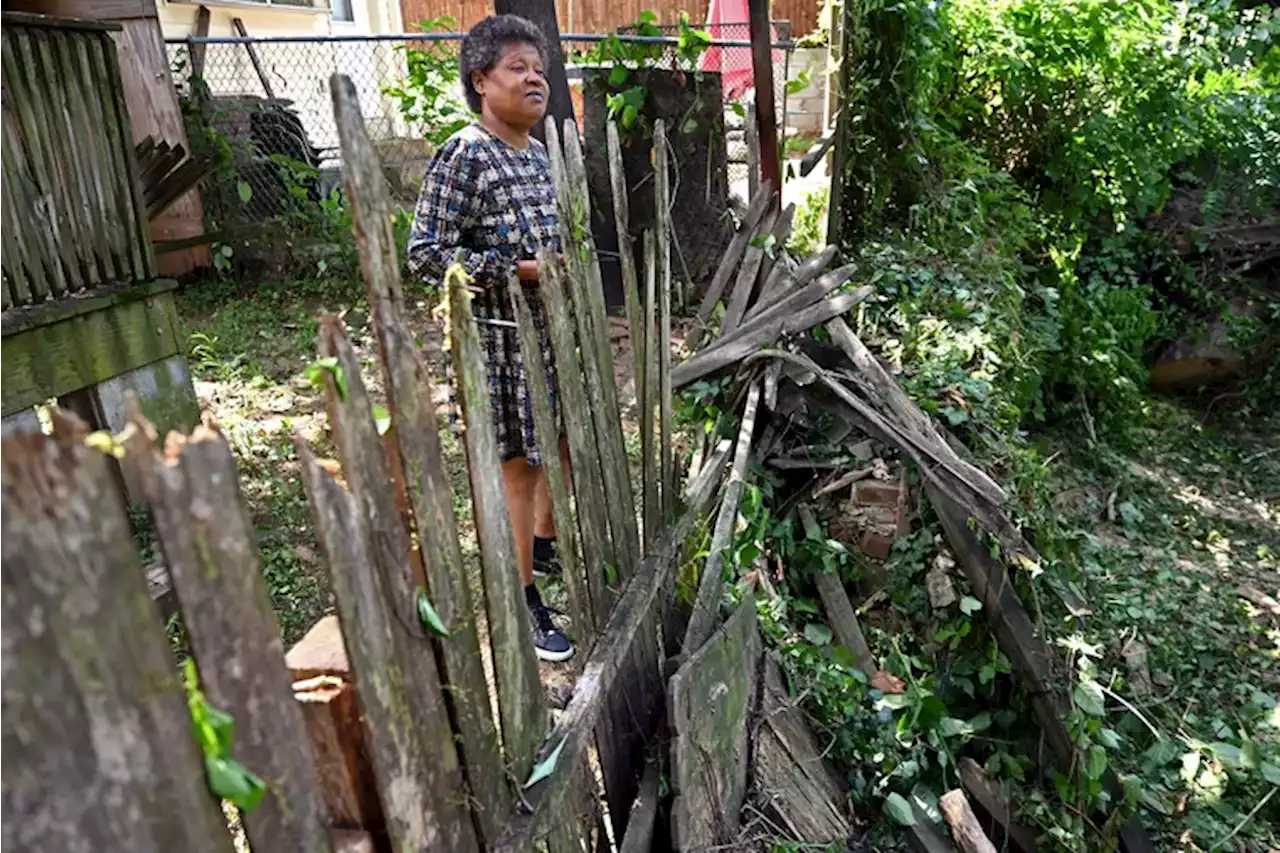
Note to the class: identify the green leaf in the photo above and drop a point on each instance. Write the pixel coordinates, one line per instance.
(244, 191)
(618, 75)
(1095, 763)
(1271, 773)
(1088, 698)
(895, 701)
(382, 418)
(1250, 758)
(817, 633)
(689, 126)
(629, 116)
(985, 674)
(430, 618)
(545, 767)
(230, 780)
(970, 605)
(897, 807)
(1109, 738)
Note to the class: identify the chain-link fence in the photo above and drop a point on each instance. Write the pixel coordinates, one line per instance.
(262, 107)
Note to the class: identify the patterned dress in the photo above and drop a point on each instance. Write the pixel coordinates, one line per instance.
(489, 205)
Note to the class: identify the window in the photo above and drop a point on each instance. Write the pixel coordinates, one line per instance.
(341, 10)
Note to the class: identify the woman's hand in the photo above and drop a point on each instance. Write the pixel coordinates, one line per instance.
(527, 270)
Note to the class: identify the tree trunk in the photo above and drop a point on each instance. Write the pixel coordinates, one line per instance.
(543, 13)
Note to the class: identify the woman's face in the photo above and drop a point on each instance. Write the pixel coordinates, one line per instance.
(515, 90)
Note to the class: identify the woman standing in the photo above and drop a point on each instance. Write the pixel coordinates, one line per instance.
(488, 201)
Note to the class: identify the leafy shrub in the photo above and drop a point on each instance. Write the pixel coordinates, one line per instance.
(430, 97)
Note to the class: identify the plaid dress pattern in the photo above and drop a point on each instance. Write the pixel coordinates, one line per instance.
(488, 205)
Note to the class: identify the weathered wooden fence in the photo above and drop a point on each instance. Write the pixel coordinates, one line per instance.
(98, 752)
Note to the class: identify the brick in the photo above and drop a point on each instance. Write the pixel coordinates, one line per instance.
(873, 492)
(876, 545)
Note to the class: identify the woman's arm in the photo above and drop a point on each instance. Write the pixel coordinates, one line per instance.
(449, 200)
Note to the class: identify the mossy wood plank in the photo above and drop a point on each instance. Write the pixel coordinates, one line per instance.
(98, 752)
(50, 360)
(544, 422)
(212, 557)
(712, 695)
(593, 523)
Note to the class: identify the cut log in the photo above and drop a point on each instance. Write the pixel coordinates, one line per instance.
(347, 785)
(319, 652)
(964, 823)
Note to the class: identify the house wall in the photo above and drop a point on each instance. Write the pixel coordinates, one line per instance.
(178, 19)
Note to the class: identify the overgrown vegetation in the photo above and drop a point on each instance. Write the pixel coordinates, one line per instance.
(1036, 190)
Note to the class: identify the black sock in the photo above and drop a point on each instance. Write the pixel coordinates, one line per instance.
(531, 595)
(544, 550)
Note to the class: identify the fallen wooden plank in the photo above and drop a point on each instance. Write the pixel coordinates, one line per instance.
(744, 285)
(924, 836)
(706, 604)
(791, 778)
(728, 265)
(639, 835)
(843, 620)
(737, 348)
(711, 698)
(995, 805)
(964, 823)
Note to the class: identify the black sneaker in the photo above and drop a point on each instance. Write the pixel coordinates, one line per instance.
(548, 643)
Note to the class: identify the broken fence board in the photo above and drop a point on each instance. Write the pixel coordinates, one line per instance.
(570, 736)
(212, 556)
(418, 776)
(597, 349)
(964, 823)
(649, 460)
(521, 702)
(593, 522)
(706, 604)
(544, 422)
(98, 752)
(729, 264)
(711, 697)
(744, 285)
(644, 812)
(790, 776)
(662, 198)
(993, 802)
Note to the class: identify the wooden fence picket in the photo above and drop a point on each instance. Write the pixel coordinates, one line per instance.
(212, 558)
(521, 701)
(411, 657)
(410, 402)
(98, 749)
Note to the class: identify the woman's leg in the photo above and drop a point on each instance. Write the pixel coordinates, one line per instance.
(544, 520)
(521, 482)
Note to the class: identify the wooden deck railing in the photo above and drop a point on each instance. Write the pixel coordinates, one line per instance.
(73, 220)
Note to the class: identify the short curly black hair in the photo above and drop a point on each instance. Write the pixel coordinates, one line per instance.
(483, 46)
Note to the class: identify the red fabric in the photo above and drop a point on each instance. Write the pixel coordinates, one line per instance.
(727, 21)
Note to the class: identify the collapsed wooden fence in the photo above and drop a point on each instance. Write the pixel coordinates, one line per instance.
(98, 746)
